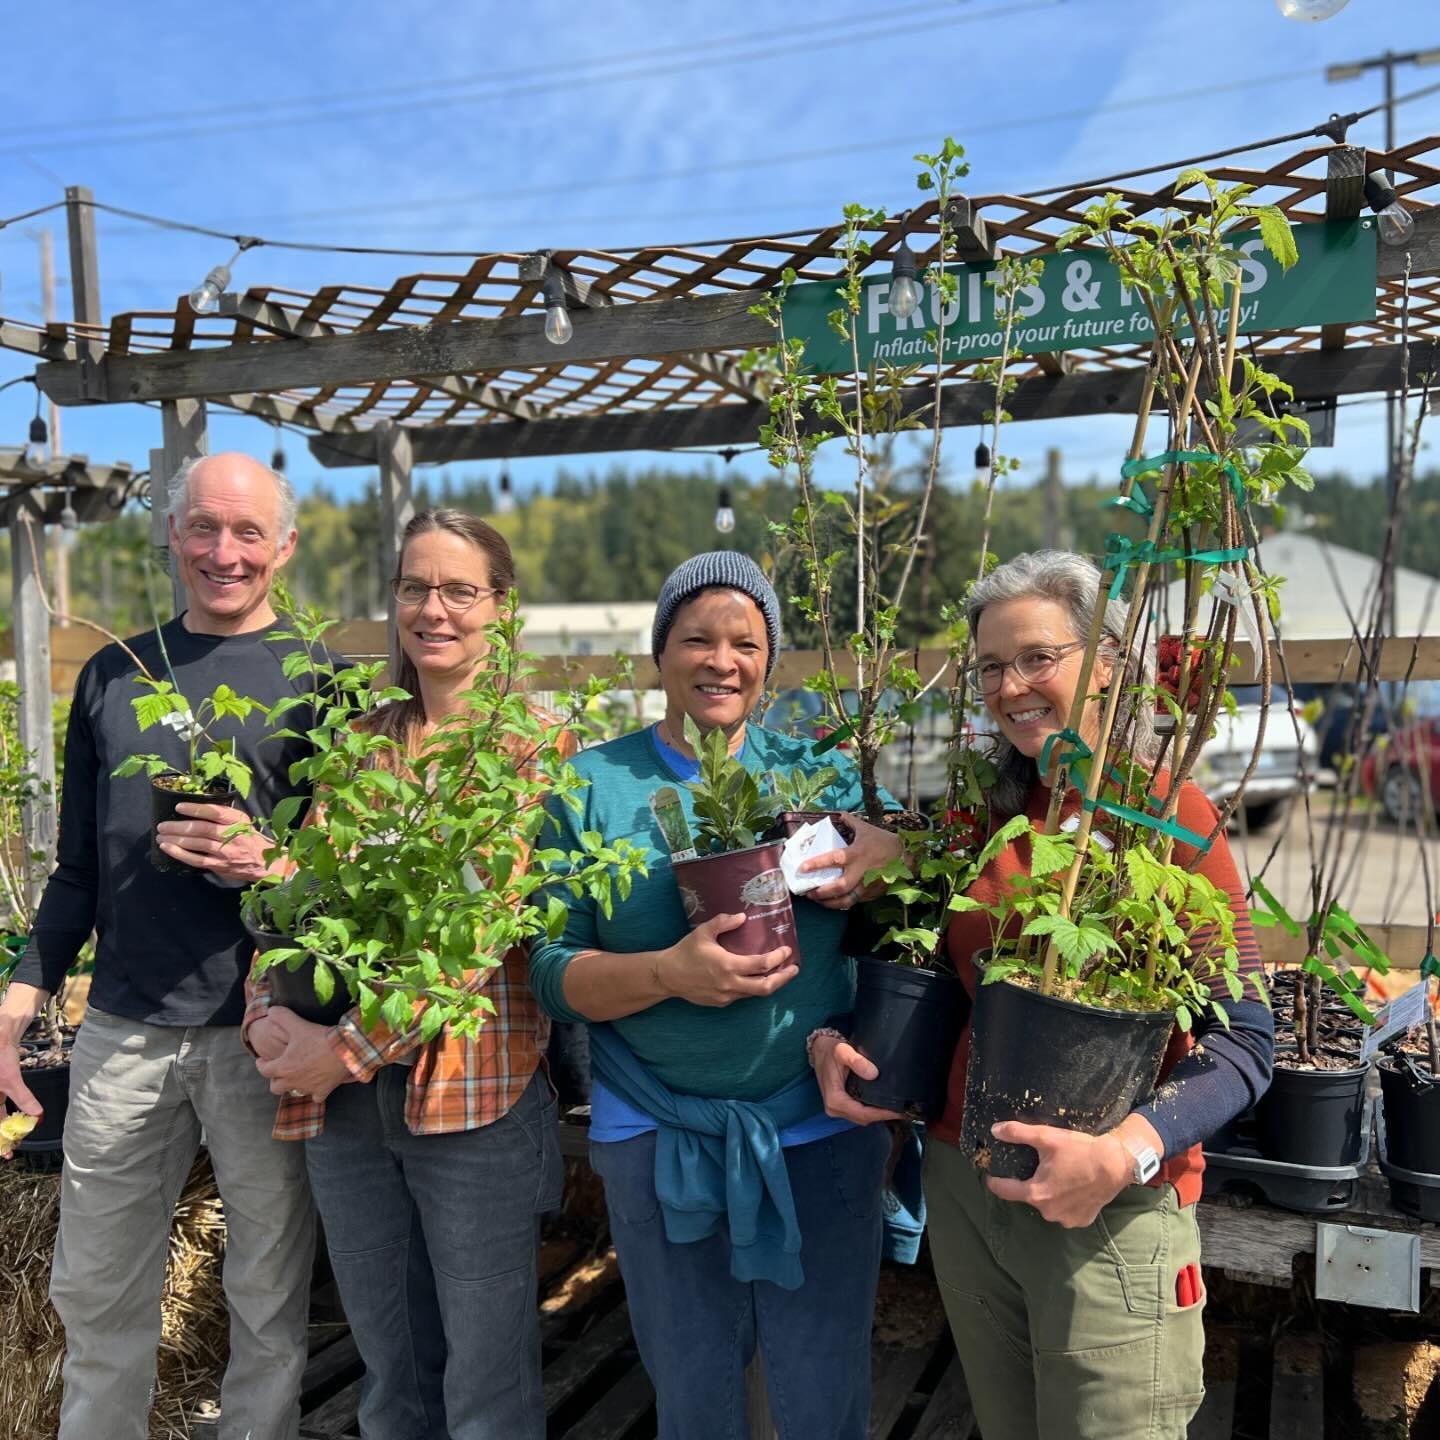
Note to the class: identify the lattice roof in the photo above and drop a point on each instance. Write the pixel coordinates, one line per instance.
(493, 288)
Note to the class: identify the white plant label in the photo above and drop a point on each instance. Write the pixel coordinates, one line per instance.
(819, 837)
(1403, 1013)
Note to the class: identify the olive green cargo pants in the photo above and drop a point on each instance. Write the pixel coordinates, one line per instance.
(1067, 1334)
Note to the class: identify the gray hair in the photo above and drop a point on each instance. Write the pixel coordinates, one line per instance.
(1074, 582)
(177, 495)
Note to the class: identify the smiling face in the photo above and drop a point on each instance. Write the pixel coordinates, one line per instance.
(443, 643)
(1029, 712)
(713, 663)
(229, 545)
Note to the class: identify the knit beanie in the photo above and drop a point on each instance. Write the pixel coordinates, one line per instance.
(720, 569)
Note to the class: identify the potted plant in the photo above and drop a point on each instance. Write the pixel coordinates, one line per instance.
(213, 772)
(45, 1047)
(426, 868)
(733, 871)
(1410, 1109)
(801, 792)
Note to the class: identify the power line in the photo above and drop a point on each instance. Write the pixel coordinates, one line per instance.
(754, 162)
(706, 61)
(430, 86)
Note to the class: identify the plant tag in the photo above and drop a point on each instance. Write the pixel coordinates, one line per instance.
(1403, 1013)
(1230, 589)
(670, 817)
(819, 837)
(184, 724)
(1072, 824)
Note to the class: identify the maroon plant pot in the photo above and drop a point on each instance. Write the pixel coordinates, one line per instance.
(748, 881)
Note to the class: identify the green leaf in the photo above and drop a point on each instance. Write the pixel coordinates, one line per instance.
(1278, 237)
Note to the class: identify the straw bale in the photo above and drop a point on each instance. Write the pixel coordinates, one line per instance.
(194, 1327)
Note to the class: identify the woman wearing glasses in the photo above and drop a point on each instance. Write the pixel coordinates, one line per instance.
(430, 1172)
(1074, 1296)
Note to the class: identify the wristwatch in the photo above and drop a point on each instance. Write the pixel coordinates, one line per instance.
(1145, 1161)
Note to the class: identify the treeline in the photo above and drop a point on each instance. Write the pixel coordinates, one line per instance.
(616, 536)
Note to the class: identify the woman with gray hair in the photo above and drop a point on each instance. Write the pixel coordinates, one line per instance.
(1074, 1296)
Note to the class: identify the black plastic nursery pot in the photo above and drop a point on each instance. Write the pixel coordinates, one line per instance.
(741, 881)
(1411, 1101)
(1049, 1061)
(1312, 1117)
(50, 1085)
(787, 822)
(906, 1022)
(295, 989)
(163, 800)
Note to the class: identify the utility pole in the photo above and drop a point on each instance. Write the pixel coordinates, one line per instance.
(1354, 70)
(1054, 501)
(59, 552)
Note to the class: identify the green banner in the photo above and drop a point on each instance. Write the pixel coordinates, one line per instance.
(1079, 303)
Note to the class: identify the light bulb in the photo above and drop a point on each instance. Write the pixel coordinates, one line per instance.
(1310, 9)
(724, 511)
(1396, 223)
(982, 464)
(558, 328)
(36, 446)
(505, 500)
(206, 295)
(277, 461)
(69, 527)
(904, 291)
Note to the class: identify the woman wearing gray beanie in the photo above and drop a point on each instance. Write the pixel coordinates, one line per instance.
(715, 1046)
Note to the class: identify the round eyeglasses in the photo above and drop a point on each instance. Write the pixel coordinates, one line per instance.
(455, 595)
(1033, 666)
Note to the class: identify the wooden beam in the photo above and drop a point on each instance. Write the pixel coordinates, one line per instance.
(31, 623)
(462, 347)
(34, 342)
(1313, 374)
(397, 503)
(1344, 199)
(84, 267)
(185, 428)
(1423, 251)
(972, 238)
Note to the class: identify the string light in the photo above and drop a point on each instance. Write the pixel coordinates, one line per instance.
(1396, 223)
(205, 297)
(982, 464)
(34, 455)
(904, 288)
(277, 458)
(505, 500)
(558, 328)
(1310, 9)
(724, 511)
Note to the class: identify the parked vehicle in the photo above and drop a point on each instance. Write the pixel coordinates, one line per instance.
(1395, 771)
(1334, 722)
(1287, 765)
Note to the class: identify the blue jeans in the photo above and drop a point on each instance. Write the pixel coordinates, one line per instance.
(433, 1239)
(697, 1328)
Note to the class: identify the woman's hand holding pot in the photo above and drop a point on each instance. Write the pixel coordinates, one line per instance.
(1078, 1174)
(871, 849)
(833, 1060)
(701, 970)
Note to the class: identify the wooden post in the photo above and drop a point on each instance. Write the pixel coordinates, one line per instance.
(84, 271)
(397, 504)
(186, 437)
(32, 670)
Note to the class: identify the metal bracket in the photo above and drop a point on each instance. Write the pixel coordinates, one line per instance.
(1360, 1266)
(94, 372)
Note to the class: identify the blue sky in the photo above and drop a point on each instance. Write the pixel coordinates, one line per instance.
(468, 125)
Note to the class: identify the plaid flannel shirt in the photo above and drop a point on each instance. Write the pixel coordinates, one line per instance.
(456, 1082)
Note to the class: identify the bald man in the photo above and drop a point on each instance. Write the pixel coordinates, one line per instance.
(158, 1059)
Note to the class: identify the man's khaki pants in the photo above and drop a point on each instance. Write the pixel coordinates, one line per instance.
(140, 1096)
(1067, 1334)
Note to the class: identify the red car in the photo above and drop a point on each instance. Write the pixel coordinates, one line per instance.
(1398, 771)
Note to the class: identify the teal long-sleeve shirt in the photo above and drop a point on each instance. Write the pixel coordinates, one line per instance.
(744, 1051)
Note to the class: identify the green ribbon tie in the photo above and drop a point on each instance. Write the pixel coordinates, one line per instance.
(1429, 966)
(1147, 464)
(833, 739)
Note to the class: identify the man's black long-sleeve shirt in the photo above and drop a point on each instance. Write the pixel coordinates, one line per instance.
(170, 948)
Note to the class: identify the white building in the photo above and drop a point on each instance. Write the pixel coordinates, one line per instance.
(593, 628)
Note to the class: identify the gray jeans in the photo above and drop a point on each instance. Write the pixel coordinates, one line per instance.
(139, 1098)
